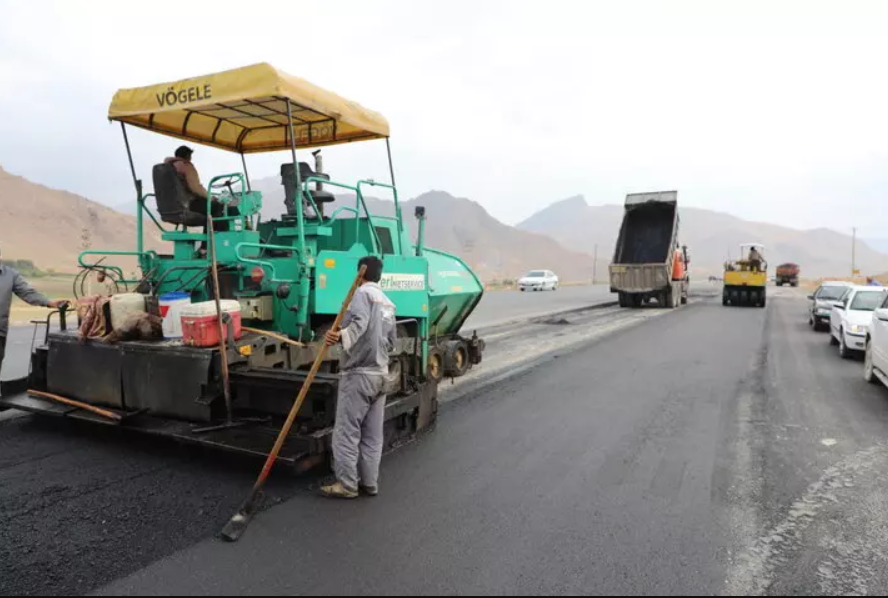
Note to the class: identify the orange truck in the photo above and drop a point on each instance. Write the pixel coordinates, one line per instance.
(788, 274)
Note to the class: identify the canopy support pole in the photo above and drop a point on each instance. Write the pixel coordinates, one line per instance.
(140, 240)
(298, 199)
(388, 149)
(246, 174)
(304, 288)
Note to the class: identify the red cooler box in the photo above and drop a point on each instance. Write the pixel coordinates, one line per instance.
(200, 327)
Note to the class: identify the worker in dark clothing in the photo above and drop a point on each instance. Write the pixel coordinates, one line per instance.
(189, 175)
(755, 259)
(12, 283)
(368, 335)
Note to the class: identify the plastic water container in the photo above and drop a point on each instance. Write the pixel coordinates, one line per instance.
(200, 326)
(171, 305)
(125, 305)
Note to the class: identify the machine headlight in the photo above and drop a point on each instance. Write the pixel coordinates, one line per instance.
(856, 329)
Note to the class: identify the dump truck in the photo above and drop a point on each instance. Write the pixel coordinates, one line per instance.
(287, 276)
(648, 262)
(788, 274)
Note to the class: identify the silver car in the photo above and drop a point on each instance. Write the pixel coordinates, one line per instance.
(820, 304)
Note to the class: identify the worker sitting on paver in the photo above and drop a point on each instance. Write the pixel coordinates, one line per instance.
(189, 175)
(11, 282)
(367, 336)
(755, 259)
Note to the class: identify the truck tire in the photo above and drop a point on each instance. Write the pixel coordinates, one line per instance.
(725, 299)
(630, 300)
(621, 297)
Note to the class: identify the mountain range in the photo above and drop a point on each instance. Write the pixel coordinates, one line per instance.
(51, 226)
(711, 237)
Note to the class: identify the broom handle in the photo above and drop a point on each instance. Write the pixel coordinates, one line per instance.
(80, 405)
(303, 392)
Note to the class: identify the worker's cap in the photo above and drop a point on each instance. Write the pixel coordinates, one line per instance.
(184, 152)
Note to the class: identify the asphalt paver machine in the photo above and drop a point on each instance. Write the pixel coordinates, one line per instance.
(289, 275)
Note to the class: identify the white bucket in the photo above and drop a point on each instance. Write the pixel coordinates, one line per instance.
(171, 306)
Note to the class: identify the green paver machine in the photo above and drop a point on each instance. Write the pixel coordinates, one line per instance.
(290, 276)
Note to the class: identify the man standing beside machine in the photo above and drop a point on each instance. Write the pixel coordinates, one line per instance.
(368, 336)
(13, 283)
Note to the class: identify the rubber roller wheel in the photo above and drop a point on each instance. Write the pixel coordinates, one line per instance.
(436, 364)
(457, 360)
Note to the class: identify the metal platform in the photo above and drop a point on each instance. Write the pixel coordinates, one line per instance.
(248, 438)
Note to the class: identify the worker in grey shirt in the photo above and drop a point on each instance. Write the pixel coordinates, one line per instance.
(13, 282)
(368, 335)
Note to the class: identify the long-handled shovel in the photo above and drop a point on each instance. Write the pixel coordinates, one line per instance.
(236, 526)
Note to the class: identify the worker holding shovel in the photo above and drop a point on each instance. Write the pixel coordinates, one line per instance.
(367, 336)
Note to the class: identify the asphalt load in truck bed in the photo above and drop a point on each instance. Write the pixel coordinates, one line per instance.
(647, 234)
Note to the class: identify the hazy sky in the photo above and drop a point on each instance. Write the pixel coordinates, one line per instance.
(772, 110)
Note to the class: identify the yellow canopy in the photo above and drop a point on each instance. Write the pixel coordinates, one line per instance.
(245, 110)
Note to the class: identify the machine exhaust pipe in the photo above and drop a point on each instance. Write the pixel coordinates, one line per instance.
(420, 239)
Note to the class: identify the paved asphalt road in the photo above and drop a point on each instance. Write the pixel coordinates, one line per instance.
(500, 307)
(706, 450)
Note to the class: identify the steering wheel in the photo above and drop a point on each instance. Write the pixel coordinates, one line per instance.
(231, 199)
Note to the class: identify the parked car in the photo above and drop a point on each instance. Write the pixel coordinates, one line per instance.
(538, 280)
(876, 365)
(820, 303)
(851, 319)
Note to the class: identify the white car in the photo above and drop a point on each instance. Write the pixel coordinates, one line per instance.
(538, 280)
(851, 319)
(876, 368)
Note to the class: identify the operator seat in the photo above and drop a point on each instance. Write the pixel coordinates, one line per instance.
(173, 198)
(288, 180)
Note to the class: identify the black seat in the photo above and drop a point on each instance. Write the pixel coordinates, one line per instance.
(288, 180)
(173, 198)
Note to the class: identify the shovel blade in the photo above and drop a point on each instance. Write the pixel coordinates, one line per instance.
(237, 525)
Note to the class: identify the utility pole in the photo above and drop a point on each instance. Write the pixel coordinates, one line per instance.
(854, 253)
(595, 266)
